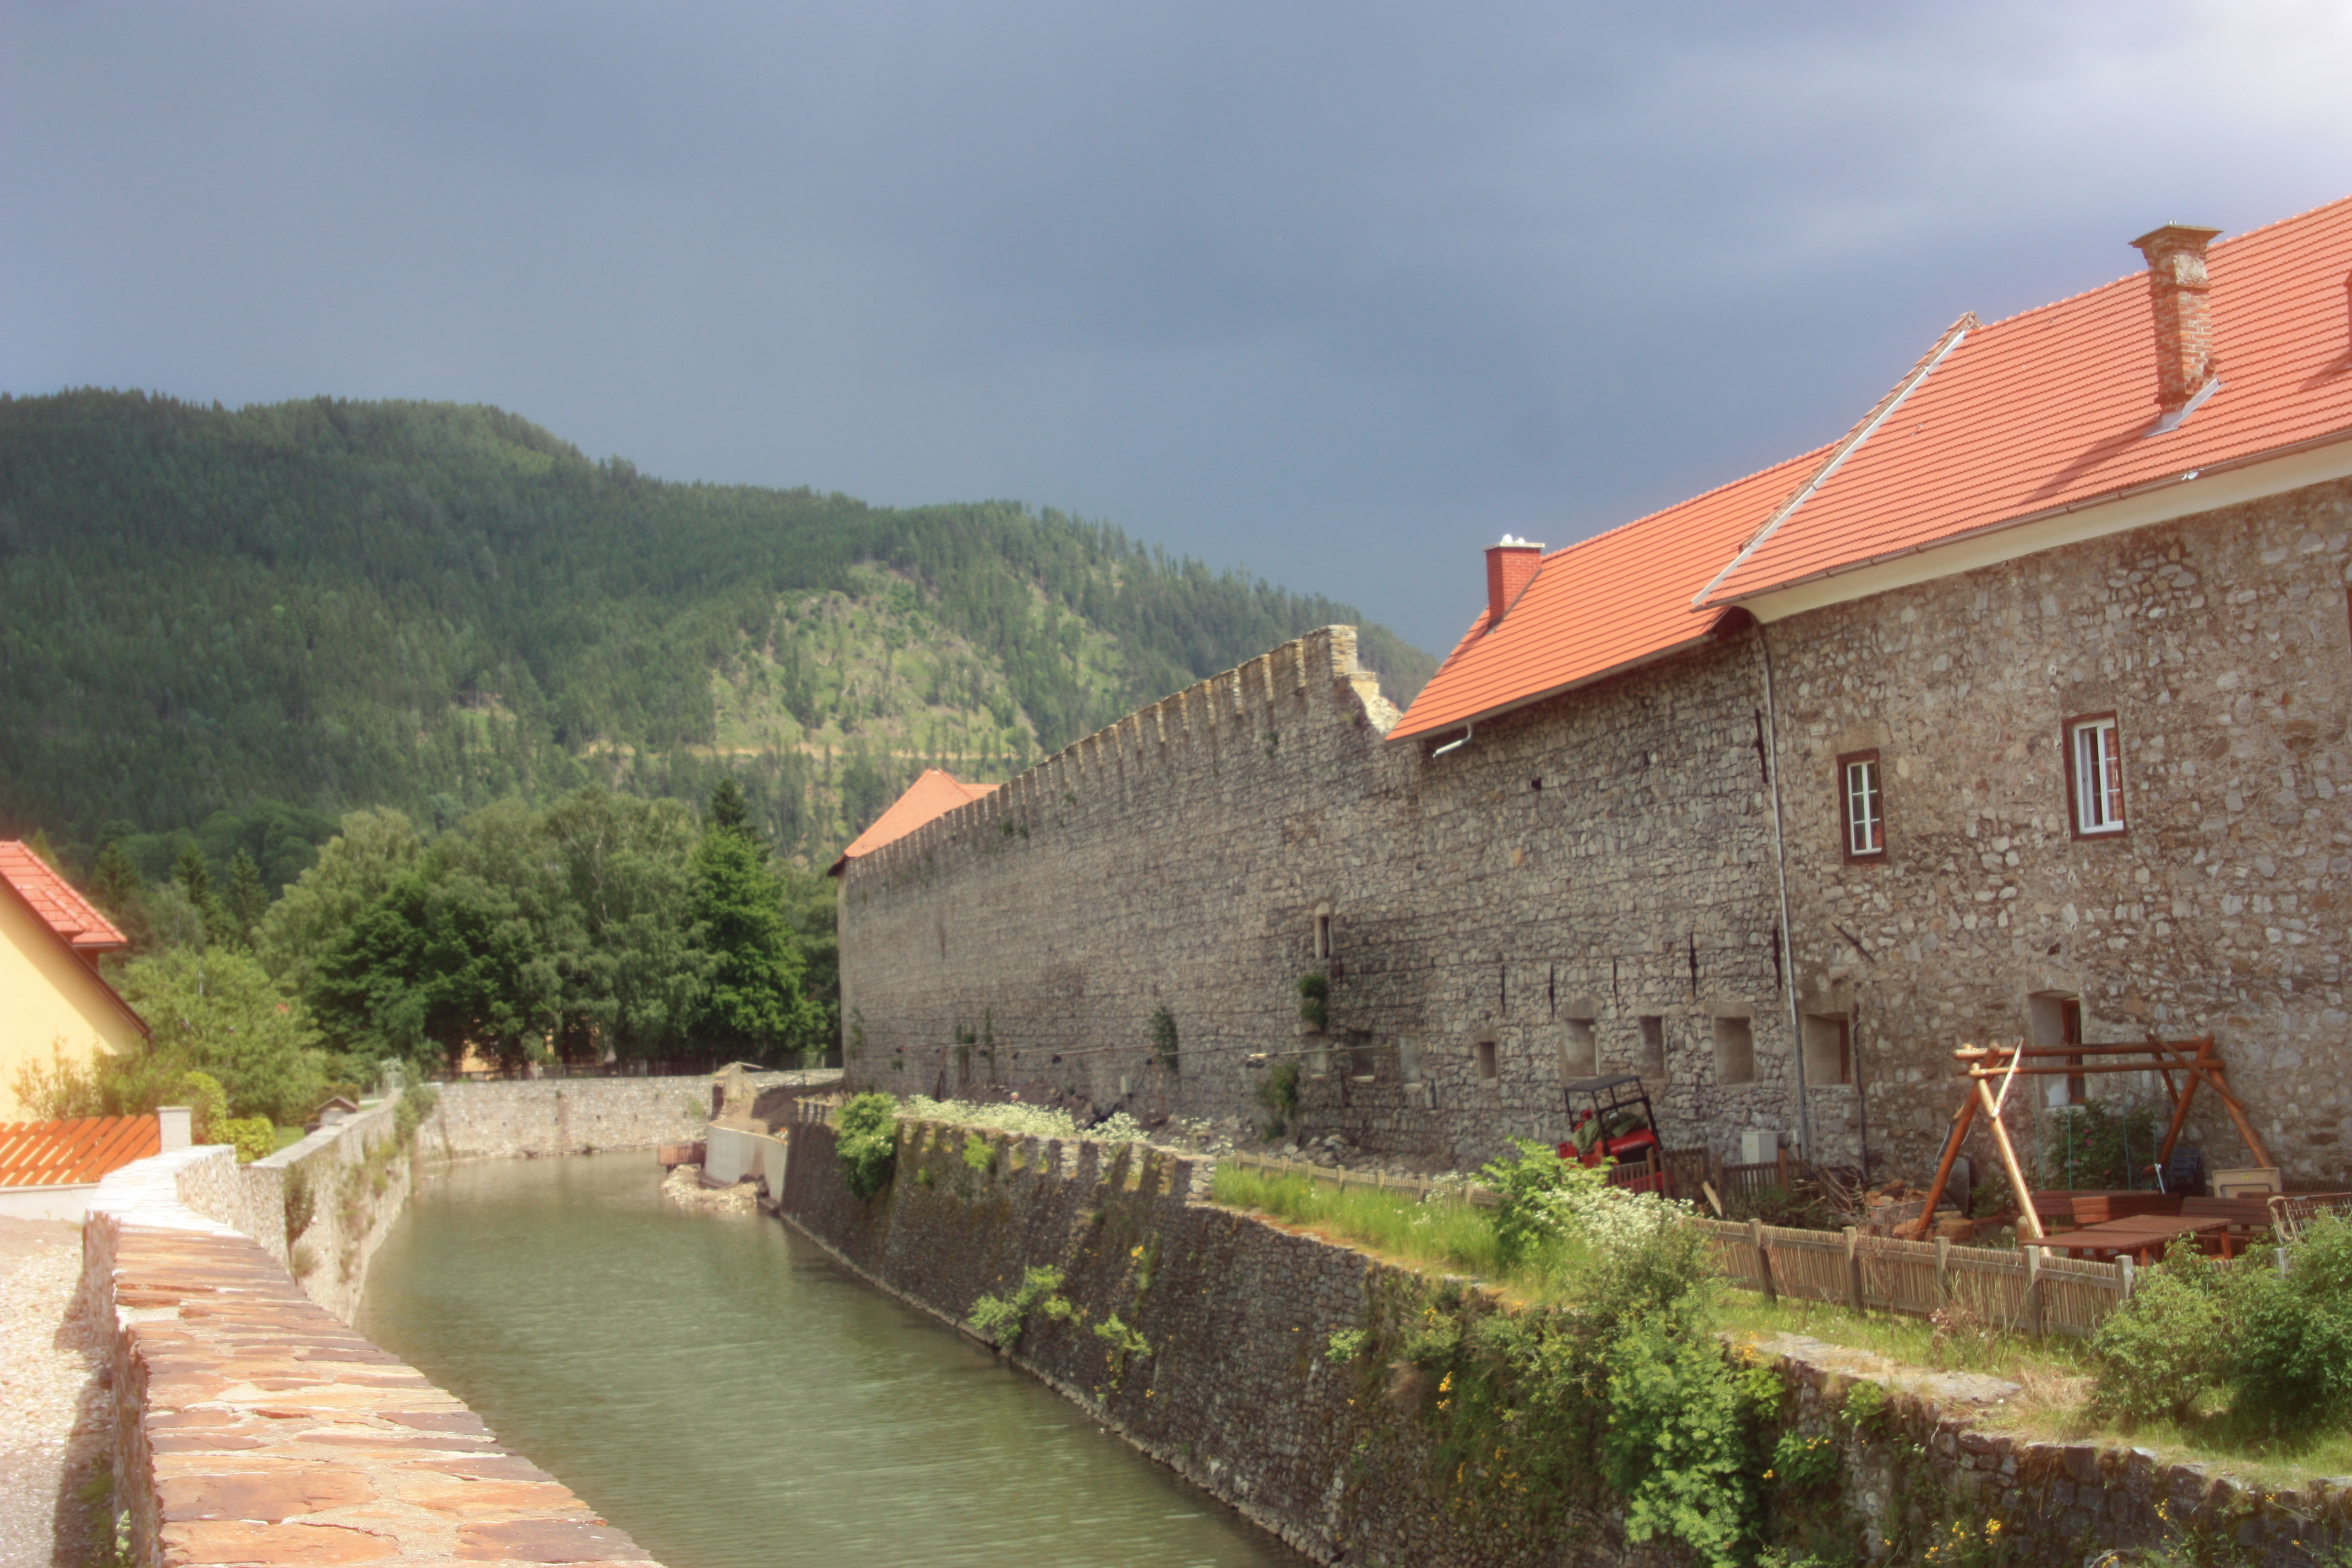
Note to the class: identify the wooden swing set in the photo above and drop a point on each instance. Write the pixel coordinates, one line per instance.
(2194, 1060)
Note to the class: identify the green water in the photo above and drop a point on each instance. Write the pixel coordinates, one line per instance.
(724, 1392)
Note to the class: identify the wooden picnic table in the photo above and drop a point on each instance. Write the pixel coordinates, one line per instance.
(2144, 1236)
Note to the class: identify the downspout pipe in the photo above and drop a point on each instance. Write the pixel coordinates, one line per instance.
(1467, 731)
(1780, 862)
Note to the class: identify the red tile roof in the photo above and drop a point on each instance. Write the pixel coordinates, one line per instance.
(49, 896)
(55, 1153)
(2047, 411)
(2051, 408)
(934, 793)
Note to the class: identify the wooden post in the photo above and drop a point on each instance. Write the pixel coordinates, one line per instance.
(1854, 1268)
(1943, 1268)
(1763, 1259)
(2033, 1290)
(1960, 1120)
(2027, 1220)
(2127, 1265)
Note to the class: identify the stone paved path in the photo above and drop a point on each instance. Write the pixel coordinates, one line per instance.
(46, 1391)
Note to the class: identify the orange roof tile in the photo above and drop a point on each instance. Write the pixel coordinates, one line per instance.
(58, 1153)
(934, 793)
(2046, 411)
(2051, 408)
(1597, 606)
(49, 896)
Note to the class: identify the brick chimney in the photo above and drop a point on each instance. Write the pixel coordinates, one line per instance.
(1510, 567)
(2176, 287)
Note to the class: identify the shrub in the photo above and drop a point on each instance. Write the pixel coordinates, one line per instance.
(256, 1137)
(2155, 1355)
(1163, 1039)
(301, 1203)
(1314, 1004)
(868, 1144)
(1525, 1187)
(1026, 1120)
(208, 1105)
(1279, 1094)
(2293, 1366)
(1000, 1320)
(416, 1105)
(979, 1153)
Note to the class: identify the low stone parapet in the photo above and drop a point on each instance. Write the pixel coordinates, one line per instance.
(251, 1427)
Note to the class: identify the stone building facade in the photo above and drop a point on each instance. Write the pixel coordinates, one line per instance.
(1630, 843)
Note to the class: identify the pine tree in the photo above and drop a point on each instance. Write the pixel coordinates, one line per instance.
(247, 900)
(196, 880)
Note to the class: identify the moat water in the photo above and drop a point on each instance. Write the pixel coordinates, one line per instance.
(724, 1392)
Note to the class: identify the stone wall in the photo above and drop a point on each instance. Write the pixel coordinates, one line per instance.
(250, 1427)
(2221, 644)
(1598, 859)
(1596, 881)
(535, 1116)
(1237, 1391)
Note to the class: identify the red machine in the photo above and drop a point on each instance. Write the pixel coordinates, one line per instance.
(1609, 1119)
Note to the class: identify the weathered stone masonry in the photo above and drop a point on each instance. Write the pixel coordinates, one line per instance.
(1610, 856)
(1585, 859)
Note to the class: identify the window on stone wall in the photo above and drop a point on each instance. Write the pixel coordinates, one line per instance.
(1862, 807)
(1651, 1062)
(1483, 1053)
(2095, 774)
(1829, 1049)
(1323, 933)
(1735, 1050)
(1580, 1050)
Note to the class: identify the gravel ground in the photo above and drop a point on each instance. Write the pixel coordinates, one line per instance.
(50, 1439)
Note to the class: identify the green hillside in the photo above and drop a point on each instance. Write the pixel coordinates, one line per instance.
(226, 621)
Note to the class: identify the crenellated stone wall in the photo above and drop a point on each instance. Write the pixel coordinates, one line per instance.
(1598, 859)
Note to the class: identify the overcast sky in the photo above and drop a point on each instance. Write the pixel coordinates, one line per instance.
(1340, 292)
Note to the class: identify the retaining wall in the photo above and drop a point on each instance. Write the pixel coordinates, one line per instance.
(536, 1117)
(1237, 1392)
(249, 1426)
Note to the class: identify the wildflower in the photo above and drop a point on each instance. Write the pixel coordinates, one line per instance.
(1446, 1386)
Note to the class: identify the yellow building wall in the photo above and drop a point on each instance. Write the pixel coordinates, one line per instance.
(46, 994)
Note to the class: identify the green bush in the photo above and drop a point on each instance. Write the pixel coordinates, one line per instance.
(208, 1105)
(2156, 1356)
(301, 1203)
(1163, 1039)
(979, 1153)
(416, 1105)
(1523, 1218)
(1279, 1094)
(1000, 1320)
(2292, 1370)
(1314, 1000)
(256, 1137)
(867, 1146)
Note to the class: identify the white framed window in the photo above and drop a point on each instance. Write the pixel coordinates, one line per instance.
(1862, 807)
(2094, 773)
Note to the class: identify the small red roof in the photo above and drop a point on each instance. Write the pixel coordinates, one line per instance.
(2048, 411)
(933, 795)
(58, 1153)
(49, 896)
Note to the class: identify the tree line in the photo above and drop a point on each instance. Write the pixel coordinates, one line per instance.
(331, 605)
(599, 928)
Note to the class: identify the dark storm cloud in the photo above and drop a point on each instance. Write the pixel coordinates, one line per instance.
(1341, 291)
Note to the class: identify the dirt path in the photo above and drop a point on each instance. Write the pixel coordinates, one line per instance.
(48, 1452)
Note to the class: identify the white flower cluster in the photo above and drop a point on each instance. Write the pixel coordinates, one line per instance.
(1611, 1217)
(1024, 1121)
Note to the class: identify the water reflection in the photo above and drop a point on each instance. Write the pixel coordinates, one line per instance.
(718, 1388)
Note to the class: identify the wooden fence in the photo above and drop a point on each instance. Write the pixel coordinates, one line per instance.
(2021, 1292)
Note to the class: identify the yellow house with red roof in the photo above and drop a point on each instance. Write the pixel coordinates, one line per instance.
(51, 993)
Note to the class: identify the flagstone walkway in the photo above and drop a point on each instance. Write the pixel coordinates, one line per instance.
(46, 1365)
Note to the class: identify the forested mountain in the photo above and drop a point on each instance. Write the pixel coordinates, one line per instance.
(242, 623)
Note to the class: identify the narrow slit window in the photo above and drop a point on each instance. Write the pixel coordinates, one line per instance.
(2094, 763)
(1863, 806)
(1483, 1053)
